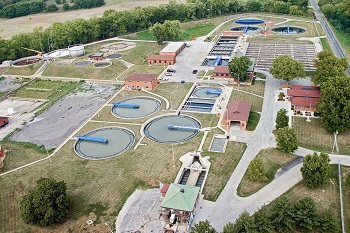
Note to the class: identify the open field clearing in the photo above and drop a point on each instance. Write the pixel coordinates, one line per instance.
(314, 136)
(174, 92)
(343, 40)
(273, 160)
(10, 27)
(25, 70)
(256, 101)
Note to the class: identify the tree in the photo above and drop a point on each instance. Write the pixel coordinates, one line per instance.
(244, 224)
(262, 221)
(334, 105)
(46, 204)
(282, 119)
(203, 226)
(329, 66)
(286, 68)
(306, 217)
(287, 140)
(328, 222)
(316, 169)
(282, 215)
(65, 7)
(238, 68)
(256, 169)
(169, 30)
(51, 7)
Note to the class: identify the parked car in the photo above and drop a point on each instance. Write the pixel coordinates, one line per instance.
(168, 74)
(171, 70)
(187, 45)
(194, 71)
(164, 79)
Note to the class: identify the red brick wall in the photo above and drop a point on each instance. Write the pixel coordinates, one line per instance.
(138, 85)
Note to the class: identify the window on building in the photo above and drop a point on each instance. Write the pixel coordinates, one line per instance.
(147, 86)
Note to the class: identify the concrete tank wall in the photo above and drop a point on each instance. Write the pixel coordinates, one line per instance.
(76, 51)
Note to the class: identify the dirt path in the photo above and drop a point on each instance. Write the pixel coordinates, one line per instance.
(25, 24)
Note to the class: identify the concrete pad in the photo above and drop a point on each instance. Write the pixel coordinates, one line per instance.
(22, 114)
(55, 124)
(140, 212)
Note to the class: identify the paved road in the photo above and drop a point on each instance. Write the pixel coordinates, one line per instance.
(229, 205)
(331, 37)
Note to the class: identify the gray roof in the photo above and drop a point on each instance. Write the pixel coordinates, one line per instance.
(172, 47)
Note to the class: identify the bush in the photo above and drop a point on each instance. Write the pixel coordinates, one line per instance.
(256, 170)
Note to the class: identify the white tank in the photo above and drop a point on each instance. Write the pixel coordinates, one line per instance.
(76, 51)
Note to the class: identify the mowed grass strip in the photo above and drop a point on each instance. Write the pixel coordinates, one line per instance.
(222, 166)
(253, 120)
(25, 70)
(325, 44)
(273, 160)
(142, 69)
(86, 72)
(343, 39)
(138, 54)
(314, 136)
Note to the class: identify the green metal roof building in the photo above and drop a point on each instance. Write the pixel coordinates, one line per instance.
(181, 197)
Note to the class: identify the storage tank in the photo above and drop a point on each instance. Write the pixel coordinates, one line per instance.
(76, 51)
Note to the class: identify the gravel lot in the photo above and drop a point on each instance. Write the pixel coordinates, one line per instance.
(56, 123)
(9, 84)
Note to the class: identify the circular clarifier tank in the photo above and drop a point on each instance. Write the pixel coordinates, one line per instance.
(119, 140)
(147, 106)
(289, 30)
(247, 29)
(159, 129)
(204, 92)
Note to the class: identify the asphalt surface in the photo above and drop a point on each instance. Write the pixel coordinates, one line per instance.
(330, 35)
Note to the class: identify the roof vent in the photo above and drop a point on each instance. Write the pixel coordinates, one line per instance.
(182, 190)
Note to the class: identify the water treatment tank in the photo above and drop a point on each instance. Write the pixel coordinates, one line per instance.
(76, 51)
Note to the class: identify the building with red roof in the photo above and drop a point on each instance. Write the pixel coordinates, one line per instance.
(223, 72)
(141, 81)
(304, 99)
(237, 112)
(4, 121)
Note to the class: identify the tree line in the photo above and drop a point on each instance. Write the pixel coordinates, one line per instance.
(337, 12)
(282, 216)
(113, 23)
(15, 8)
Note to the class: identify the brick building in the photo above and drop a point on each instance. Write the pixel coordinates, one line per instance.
(4, 121)
(237, 112)
(223, 72)
(304, 99)
(166, 56)
(141, 81)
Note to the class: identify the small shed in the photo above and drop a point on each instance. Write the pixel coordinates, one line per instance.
(141, 81)
(4, 121)
(237, 111)
(97, 56)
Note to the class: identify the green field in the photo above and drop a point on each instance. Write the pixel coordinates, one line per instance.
(253, 120)
(25, 70)
(273, 160)
(314, 136)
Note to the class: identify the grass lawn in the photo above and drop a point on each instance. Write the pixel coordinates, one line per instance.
(222, 166)
(253, 120)
(326, 45)
(174, 92)
(258, 88)
(196, 31)
(256, 102)
(260, 75)
(345, 171)
(138, 54)
(344, 41)
(207, 120)
(273, 160)
(25, 70)
(19, 155)
(87, 72)
(314, 136)
(142, 69)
